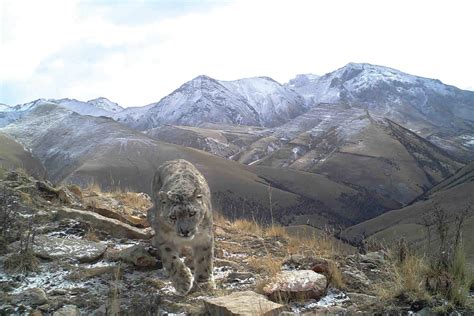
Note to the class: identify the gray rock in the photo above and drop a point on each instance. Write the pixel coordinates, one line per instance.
(68, 310)
(356, 280)
(112, 226)
(362, 300)
(31, 297)
(296, 284)
(61, 248)
(242, 303)
(239, 276)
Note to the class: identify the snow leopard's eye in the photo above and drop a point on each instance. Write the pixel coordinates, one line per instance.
(173, 217)
(199, 196)
(192, 213)
(163, 201)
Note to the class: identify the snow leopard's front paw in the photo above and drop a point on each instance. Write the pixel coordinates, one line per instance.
(207, 286)
(183, 281)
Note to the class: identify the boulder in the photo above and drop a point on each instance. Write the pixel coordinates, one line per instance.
(113, 227)
(296, 285)
(31, 297)
(60, 248)
(242, 303)
(68, 310)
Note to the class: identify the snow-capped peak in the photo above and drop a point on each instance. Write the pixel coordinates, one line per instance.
(105, 104)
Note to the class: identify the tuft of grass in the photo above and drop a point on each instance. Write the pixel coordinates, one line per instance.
(334, 275)
(247, 226)
(266, 266)
(463, 278)
(75, 189)
(276, 231)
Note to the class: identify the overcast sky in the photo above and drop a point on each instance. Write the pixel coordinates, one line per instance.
(135, 52)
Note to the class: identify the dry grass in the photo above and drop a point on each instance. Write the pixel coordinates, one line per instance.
(94, 187)
(21, 262)
(316, 245)
(265, 266)
(91, 235)
(133, 200)
(406, 280)
(247, 226)
(334, 276)
(276, 231)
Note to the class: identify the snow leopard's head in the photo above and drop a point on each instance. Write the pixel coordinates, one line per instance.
(182, 208)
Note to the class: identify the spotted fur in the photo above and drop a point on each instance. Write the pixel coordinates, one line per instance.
(182, 218)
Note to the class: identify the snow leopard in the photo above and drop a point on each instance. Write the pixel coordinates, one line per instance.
(182, 218)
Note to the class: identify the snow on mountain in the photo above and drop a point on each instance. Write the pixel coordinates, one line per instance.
(440, 112)
(201, 100)
(95, 107)
(274, 103)
(381, 88)
(105, 104)
(4, 108)
(257, 101)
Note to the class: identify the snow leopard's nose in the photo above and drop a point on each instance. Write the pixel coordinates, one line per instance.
(184, 232)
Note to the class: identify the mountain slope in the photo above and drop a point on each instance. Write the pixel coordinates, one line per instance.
(84, 150)
(442, 113)
(350, 146)
(453, 195)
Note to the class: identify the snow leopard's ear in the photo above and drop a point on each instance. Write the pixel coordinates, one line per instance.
(197, 193)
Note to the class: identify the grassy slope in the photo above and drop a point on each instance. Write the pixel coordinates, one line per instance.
(452, 195)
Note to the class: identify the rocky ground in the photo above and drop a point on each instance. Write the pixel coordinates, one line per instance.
(88, 252)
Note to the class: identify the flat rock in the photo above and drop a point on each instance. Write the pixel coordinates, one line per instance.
(60, 248)
(68, 310)
(114, 227)
(242, 303)
(296, 284)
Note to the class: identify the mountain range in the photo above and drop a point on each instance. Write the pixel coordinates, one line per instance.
(341, 148)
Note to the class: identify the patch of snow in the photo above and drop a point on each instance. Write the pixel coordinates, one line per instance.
(332, 298)
(222, 272)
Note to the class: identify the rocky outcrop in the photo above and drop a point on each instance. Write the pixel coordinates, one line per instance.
(112, 226)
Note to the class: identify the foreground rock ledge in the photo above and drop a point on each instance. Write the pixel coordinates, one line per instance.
(60, 248)
(242, 303)
(114, 227)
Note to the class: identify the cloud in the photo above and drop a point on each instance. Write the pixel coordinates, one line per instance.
(136, 52)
